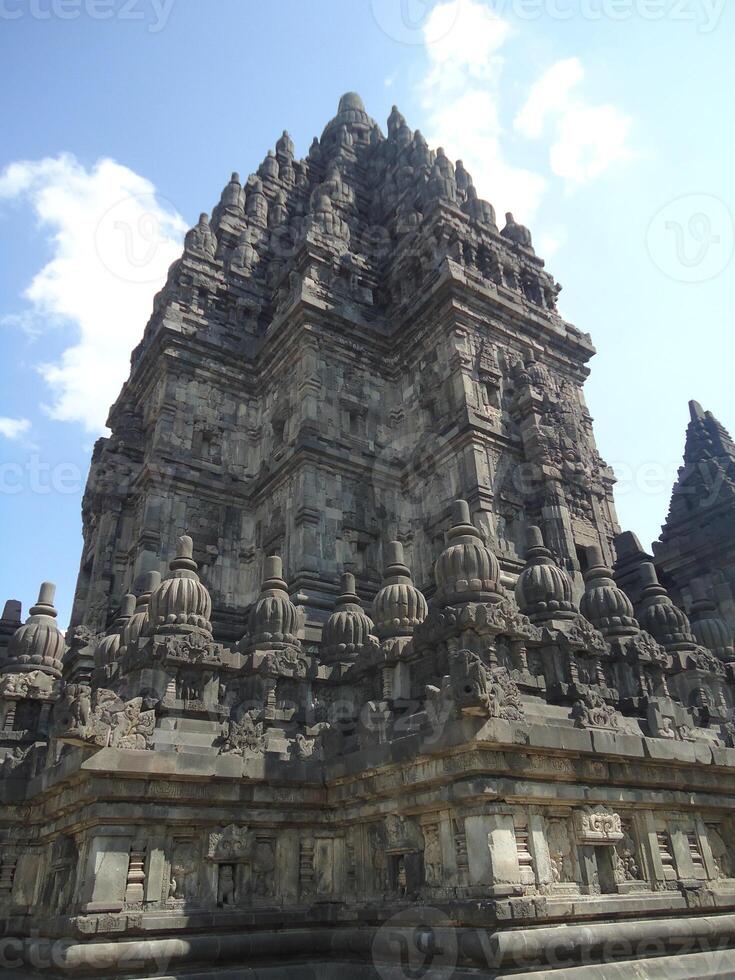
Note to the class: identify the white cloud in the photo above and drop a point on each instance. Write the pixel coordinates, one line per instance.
(470, 124)
(112, 241)
(590, 140)
(548, 95)
(13, 428)
(587, 139)
(550, 241)
(464, 36)
(461, 96)
(465, 89)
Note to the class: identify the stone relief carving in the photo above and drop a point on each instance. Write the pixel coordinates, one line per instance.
(226, 895)
(628, 863)
(433, 866)
(560, 851)
(288, 662)
(192, 648)
(720, 852)
(101, 718)
(647, 650)
(582, 635)
(34, 684)
(592, 711)
(188, 687)
(184, 884)
(476, 688)
(306, 748)
(376, 844)
(232, 844)
(245, 737)
(17, 760)
(598, 826)
(263, 866)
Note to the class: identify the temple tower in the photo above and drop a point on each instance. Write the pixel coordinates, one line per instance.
(345, 346)
(697, 543)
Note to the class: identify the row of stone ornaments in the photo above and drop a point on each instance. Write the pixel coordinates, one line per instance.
(599, 658)
(602, 658)
(465, 571)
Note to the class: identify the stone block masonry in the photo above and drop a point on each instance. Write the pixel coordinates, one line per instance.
(362, 676)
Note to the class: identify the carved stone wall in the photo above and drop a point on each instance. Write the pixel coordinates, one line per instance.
(335, 393)
(509, 736)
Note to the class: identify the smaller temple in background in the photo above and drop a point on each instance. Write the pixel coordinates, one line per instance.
(697, 542)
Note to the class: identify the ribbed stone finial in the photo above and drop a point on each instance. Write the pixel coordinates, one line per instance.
(38, 644)
(181, 604)
(603, 604)
(269, 166)
(466, 571)
(709, 628)
(658, 615)
(347, 630)
(543, 590)
(326, 220)
(274, 619)
(398, 606)
(137, 625)
(108, 649)
(350, 121)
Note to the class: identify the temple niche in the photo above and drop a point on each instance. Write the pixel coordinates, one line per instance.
(361, 668)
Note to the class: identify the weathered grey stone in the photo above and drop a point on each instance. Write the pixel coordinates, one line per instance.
(702, 509)
(358, 394)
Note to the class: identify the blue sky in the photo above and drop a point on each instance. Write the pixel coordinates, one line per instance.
(605, 125)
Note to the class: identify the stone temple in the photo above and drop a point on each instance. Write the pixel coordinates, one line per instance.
(363, 678)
